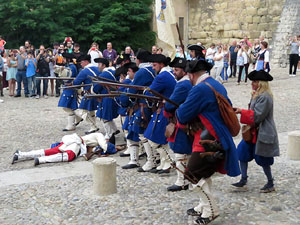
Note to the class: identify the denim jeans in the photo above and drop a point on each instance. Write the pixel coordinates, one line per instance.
(224, 74)
(45, 84)
(21, 76)
(31, 85)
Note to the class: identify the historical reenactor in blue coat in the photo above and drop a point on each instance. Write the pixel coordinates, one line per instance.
(88, 106)
(140, 113)
(179, 142)
(163, 83)
(264, 145)
(68, 99)
(127, 73)
(201, 110)
(196, 51)
(107, 107)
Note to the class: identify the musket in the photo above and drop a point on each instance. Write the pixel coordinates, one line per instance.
(76, 86)
(55, 78)
(180, 40)
(103, 95)
(149, 98)
(138, 87)
(102, 79)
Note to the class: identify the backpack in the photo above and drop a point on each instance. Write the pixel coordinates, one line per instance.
(230, 119)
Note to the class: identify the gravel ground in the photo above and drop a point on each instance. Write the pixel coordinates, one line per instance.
(142, 198)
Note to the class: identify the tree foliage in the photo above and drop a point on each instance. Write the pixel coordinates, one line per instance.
(123, 22)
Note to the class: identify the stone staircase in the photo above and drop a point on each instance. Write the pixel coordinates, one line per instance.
(289, 25)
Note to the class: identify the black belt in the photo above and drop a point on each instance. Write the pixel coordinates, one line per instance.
(21, 70)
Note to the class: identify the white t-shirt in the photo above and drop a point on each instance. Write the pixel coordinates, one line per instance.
(244, 54)
(95, 55)
(210, 53)
(219, 63)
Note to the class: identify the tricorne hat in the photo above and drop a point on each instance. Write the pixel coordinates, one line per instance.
(260, 75)
(178, 62)
(102, 60)
(195, 66)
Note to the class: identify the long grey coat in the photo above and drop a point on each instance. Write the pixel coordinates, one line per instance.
(267, 144)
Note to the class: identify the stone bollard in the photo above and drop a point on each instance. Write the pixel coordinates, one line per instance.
(293, 150)
(104, 176)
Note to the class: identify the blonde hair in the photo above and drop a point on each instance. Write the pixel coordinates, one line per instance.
(263, 86)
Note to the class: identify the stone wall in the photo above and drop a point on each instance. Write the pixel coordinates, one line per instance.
(288, 26)
(227, 20)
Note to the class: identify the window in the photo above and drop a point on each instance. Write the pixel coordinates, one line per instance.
(181, 27)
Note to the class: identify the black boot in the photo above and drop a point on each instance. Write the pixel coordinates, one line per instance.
(269, 187)
(193, 212)
(15, 157)
(242, 183)
(36, 162)
(175, 187)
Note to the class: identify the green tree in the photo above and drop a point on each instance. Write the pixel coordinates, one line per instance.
(123, 22)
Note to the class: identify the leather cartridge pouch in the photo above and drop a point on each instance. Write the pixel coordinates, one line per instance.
(246, 133)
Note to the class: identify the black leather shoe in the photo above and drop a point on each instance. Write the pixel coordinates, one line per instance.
(130, 166)
(154, 170)
(90, 132)
(141, 170)
(36, 162)
(26, 96)
(124, 155)
(16, 96)
(193, 212)
(202, 221)
(164, 171)
(177, 188)
(15, 158)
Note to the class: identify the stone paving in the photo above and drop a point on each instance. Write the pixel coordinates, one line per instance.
(31, 195)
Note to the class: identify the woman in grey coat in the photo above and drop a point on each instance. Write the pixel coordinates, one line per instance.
(264, 145)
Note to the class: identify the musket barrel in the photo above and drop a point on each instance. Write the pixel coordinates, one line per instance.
(76, 86)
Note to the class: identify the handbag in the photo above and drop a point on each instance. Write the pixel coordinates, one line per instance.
(246, 133)
(230, 119)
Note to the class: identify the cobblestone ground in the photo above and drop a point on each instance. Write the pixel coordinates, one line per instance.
(142, 198)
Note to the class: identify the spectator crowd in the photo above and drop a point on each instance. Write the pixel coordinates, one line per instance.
(20, 67)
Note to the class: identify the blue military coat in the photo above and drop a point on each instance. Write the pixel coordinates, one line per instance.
(202, 101)
(68, 98)
(143, 77)
(164, 83)
(182, 144)
(107, 108)
(83, 77)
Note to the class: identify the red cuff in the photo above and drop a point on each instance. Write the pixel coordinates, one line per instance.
(247, 116)
(167, 114)
(179, 125)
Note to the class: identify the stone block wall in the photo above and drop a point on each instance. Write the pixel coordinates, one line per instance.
(227, 20)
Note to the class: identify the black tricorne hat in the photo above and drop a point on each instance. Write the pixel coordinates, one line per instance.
(125, 57)
(196, 47)
(102, 60)
(178, 62)
(260, 75)
(84, 57)
(195, 66)
(132, 66)
(68, 55)
(159, 58)
(142, 54)
(121, 70)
